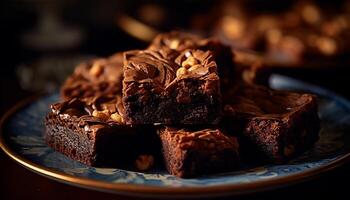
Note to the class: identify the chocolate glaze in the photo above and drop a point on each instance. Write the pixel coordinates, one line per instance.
(179, 42)
(83, 108)
(105, 80)
(151, 67)
(259, 101)
(148, 66)
(192, 152)
(186, 137)
(280, 124)
(175, 40)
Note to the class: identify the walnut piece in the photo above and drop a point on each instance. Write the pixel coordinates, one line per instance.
(104, 115)
(116, 117)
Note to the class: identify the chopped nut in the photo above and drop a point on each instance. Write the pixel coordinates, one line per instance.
(195, 67)
(96, 68)
(289, 150)
(181, 71)
(190, 61)
(174, 44)
(144, 162)
(111, 107)
(104, 115)
(116, 117)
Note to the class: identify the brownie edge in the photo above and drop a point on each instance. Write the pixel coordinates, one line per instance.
(189, 153)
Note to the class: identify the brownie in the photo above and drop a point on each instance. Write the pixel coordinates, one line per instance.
(193, 152)
(158, 90)
(175, 40)
(281, 124)
(251, 67)
(92, 131)
(173, 43)
(102, 75)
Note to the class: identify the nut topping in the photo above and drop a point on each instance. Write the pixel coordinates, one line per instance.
(116, 117)
(190, 61)
(181, 71)
(103, 115)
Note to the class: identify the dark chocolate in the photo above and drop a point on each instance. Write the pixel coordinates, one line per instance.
(98, 77)
(158, 90)
(281, 124)
(92, 131)
(193, 152)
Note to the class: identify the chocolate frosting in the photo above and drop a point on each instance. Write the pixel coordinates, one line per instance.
(188, 137)
(181, 41)
(148, 66)
(259, 101)
(104, 79)
(152, 67)
(175, 40)
(82, 109)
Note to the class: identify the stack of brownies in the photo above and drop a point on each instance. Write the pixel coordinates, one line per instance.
(181, 103)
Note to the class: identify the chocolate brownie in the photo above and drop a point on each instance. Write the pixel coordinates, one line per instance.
(175, 42)
(281, 124)
(92, 131)
(158, 90)
(193, 152)
(103, 76)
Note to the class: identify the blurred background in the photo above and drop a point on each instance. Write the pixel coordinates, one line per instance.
(42, 40)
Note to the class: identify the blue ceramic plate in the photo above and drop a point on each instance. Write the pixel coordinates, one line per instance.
(21, 138)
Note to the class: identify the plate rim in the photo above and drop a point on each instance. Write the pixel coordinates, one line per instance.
(137, 189)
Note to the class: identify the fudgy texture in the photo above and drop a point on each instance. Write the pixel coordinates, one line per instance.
(190, 153)
(282, 124)
(174, 43)
(158, 90)
(92, 131)
(103, 76)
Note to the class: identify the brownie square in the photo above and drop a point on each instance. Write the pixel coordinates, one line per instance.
(281, 124)
(193, 152)
(174, 43)
(158, 90)
(102, 75)
(92, 131)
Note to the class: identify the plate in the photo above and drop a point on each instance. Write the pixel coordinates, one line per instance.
(21, 138)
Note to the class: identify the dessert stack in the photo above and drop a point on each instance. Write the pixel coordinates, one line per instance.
(182, 104)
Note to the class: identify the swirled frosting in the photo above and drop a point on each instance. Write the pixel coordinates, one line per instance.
(153, 67)
(98, 76)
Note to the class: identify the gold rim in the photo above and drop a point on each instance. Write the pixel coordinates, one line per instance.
(134, 189)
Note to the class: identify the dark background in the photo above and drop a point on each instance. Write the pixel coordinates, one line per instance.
(99, 35)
